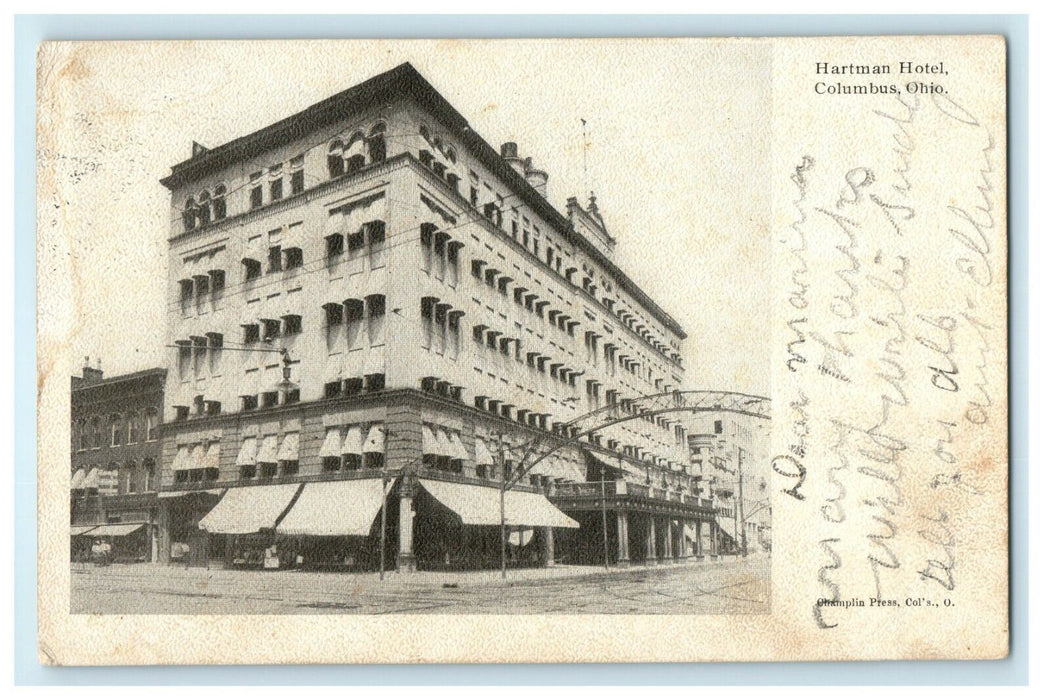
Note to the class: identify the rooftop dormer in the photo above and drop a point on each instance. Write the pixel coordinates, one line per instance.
(589, 223)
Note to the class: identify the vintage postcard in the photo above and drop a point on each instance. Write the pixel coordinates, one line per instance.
(604, 350)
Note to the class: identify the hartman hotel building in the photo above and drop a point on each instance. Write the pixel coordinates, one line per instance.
(435, 313)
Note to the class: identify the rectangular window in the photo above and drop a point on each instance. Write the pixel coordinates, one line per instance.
(256, 192)
(331, 464)
(293, 324)
(249, 402)
(332, 390)
(274, 259)
(269, 399)
(293, 258)
(252, 269)
(251, 333)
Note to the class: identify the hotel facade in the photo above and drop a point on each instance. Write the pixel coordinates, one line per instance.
(368, 304)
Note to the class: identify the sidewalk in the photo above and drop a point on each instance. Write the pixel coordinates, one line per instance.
(367, 580)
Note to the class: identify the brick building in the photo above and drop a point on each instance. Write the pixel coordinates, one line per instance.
(434, 313)
(116, 460)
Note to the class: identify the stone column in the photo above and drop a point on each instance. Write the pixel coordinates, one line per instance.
(666, 553)
(650, 539)
(164, 531)
(698, 541)
(406, 555)
(713, 534)
(548, 546)
(683, 553)
(623, 549)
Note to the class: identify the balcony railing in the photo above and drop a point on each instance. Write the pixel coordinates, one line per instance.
(622, 487)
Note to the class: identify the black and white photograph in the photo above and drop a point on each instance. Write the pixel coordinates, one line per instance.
(424, 335)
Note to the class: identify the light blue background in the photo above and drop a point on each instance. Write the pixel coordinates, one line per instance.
(30, 30)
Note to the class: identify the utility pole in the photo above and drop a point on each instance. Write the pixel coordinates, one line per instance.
(740, 506)
(382, 533)
(502, 509)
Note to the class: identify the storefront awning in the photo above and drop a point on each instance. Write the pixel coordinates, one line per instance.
(78, 530)
(248, 509)
(335, 509)
(479, 505)
(78, 477)
(618, 466)
(116, 529)
(179, 494)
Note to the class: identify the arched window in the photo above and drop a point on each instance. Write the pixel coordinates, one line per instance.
(204, 208)
(189, 215)
(218, 203)
(149, 474)
(96, 432)
(151, 424)
(335, 159)
(356, 152)
(115, 429)
(377, 143)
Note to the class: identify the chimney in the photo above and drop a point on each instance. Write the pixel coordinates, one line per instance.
(536, 177)
(92, 374)
(509, 153)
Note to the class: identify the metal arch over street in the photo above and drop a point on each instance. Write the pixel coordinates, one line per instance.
(698, 401)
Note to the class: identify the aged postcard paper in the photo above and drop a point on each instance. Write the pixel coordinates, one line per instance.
(522, 351)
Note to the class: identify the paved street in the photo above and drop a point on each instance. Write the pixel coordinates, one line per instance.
(725, 586)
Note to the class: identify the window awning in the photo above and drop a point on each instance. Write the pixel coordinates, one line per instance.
(354, 440)
(179, 494)
(458, 451)
(335, 509)
(430, 443)
(335, 225)
(333, 443)
(479, 505)
(248, 509)
(246, 457)
(116, 529)
(728, 524)
(618, 466)
(78, 478)
(690, 532)
(482, 456)
(211, 458)
(289, 451)
(78, 530)
(268, 450)
(376, 440)
(91, 480)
